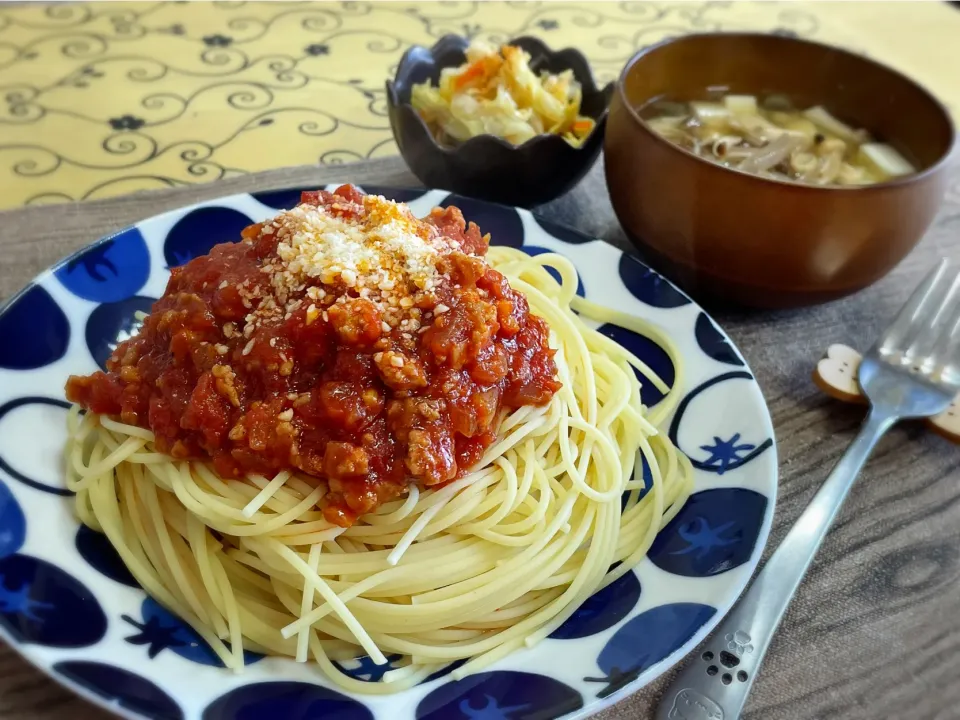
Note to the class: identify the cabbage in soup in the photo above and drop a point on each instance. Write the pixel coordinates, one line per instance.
(773, 139)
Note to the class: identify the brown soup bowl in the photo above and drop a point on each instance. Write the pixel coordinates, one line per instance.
(760, 242)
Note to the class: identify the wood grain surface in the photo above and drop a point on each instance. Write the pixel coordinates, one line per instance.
(874, 633)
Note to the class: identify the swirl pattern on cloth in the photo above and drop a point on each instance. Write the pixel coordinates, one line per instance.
(100, 99)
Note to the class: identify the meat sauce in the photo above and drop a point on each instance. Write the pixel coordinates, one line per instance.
(329, 388)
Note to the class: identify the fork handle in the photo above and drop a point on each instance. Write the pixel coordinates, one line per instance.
(714, 685)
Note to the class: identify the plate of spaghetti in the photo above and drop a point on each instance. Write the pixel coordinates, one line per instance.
(369, 453)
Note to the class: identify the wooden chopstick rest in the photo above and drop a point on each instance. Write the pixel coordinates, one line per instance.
(836, 375)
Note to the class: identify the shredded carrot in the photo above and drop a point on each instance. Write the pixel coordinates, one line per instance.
(475, 71)
(582, 125)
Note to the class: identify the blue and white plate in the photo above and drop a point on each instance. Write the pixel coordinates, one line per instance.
(70, 607)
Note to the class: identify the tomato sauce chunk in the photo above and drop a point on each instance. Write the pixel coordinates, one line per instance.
(345, 340)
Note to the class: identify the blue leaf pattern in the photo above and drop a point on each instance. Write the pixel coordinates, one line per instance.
(713, 343)
(199, 230)
(714, 532)
(112, 323)
(126, 689)
(100, 554)
(19, 602)
(13, 525)
(702, 539)
(282, 700)
(726, 454)
(646, 640)
(648, 285)
(111, 270)
(162, 630)
(34, 329)
(43, 605)
(602, 610)
(500, 695)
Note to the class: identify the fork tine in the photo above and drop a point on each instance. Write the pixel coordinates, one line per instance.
(933, 332)
(945, 355)
(920, 303)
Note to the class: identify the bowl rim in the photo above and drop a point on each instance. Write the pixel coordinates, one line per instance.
(944, 159)
(608, 90)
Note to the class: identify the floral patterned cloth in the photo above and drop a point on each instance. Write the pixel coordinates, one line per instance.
(100, 99)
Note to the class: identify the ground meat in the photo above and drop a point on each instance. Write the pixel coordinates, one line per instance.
(399, 371)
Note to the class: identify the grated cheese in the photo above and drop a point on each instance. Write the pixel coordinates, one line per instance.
(379, 251)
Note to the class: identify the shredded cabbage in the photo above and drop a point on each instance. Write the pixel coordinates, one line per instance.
(497, 93)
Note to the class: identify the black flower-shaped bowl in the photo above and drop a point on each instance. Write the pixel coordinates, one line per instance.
(485, 166)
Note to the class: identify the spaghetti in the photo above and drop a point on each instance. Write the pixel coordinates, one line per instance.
(495, 560)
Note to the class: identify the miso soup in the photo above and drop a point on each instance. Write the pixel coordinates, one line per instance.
(771, 138)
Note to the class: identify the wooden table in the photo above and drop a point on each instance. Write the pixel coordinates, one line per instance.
(874, 633)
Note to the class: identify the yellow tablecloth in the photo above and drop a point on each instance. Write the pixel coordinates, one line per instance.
(99, 99)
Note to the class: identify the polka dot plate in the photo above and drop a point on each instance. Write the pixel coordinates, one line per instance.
(69, 606)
